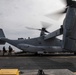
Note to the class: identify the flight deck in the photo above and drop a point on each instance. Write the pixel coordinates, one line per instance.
(31, 63)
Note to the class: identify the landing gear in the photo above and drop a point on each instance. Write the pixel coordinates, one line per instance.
(74, 53)
(36, 53)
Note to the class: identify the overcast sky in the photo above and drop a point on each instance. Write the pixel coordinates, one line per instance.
(15, 15)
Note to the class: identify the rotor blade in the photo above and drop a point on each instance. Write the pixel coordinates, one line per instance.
(47, 31)
(32, 28)
(45, 25)
(57, 15)
(64, 11)
(68, 2)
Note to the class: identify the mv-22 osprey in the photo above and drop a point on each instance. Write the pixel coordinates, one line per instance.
(49, 42)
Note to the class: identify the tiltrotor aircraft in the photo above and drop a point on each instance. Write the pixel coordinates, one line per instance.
(49, 42)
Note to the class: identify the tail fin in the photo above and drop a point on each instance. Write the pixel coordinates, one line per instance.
(2, 36)
(69, 28)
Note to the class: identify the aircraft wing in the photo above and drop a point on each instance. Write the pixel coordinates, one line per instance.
(54, 34)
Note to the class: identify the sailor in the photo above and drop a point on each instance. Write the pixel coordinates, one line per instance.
(10, 50)
(4, 50)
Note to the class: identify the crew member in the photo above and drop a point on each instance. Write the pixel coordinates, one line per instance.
(10, 50)
(4, 50)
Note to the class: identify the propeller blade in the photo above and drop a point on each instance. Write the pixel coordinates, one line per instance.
(43, 29)
(60, 13)
(32, 28)
(47, 31)
(56, 15)
(64, 11)
(68, 2)
(45, 25)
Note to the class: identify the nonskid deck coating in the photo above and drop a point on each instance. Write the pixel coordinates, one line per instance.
(48, 72)
(39, 62)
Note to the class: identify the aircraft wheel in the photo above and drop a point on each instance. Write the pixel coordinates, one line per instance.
(74, 53)
(36, 53)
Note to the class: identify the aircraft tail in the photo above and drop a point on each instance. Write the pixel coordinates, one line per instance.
(69, 30)
(2, 36)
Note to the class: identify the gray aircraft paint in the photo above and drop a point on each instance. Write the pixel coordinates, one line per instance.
(69, 27)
